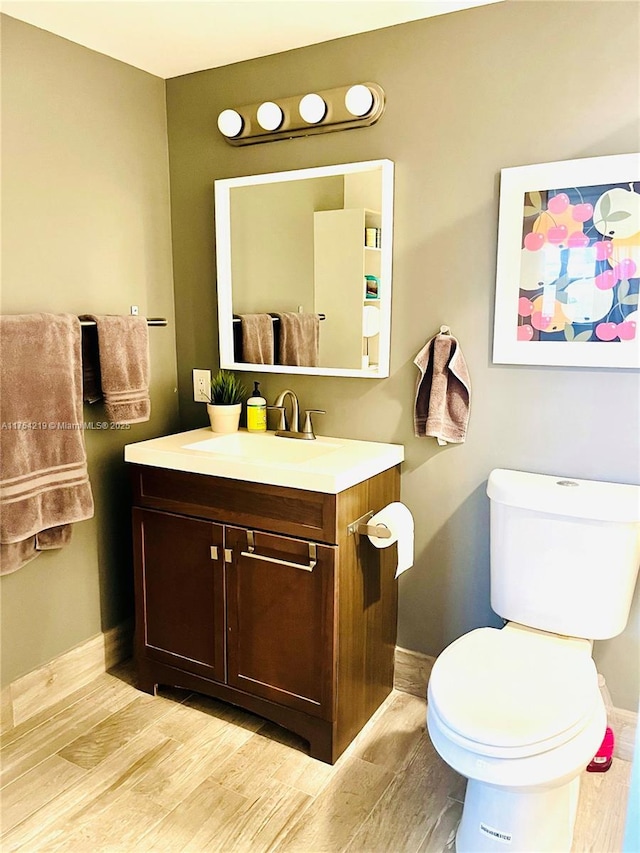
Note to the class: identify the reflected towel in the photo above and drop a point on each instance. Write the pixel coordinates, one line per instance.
(44, 485)
(299, 339)
(122, 367)
(443, 393)
(257, 338)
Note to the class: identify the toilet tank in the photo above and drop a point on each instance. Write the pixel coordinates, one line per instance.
(564, 552)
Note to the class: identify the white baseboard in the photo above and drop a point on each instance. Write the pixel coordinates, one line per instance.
(412, 671)
(38, 690)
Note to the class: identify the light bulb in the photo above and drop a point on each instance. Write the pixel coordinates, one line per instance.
(270, 116)
(230, 123)
(312, 108)
(359, 100)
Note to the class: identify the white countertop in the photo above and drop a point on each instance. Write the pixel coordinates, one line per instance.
(328, 464)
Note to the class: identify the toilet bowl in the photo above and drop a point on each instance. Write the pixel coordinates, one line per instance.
(519, 713)
(518, 710)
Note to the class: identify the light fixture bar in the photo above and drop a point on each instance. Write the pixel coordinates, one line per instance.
(302, 115)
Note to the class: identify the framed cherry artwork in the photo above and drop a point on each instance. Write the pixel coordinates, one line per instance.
(568, 270)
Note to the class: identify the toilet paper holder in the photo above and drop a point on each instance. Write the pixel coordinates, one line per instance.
(361, 527)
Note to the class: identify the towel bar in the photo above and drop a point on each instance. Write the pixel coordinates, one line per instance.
(151, 321)
(307, 567)
(277, 319)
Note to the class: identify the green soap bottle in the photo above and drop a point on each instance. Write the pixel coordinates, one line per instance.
(256, 411)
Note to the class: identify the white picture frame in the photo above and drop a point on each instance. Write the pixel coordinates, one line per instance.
(223, 190)
(568, 265)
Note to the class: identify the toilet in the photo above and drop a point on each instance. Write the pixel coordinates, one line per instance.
(518, 710)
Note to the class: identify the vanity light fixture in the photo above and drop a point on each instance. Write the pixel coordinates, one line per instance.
(312, 108)
(230, 123)
(359, 100)
(269, 116)
(322, 111)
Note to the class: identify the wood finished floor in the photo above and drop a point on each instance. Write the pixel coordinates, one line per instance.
(112, 769)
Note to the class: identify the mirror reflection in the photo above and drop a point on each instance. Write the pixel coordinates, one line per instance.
(304, 270)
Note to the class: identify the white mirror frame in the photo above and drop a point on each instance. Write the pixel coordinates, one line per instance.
(223, 189)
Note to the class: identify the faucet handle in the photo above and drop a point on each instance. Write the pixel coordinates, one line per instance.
(282, 424)
(308, 426)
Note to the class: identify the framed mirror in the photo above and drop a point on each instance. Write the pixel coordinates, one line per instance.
(304, 270)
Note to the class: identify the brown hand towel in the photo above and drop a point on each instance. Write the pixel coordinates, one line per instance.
(123, 354)
(257, 338)
(443, 392)
(44, 486)
(299, 339)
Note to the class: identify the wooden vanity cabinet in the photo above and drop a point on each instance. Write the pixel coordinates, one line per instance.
(258, 596)
(183, 591)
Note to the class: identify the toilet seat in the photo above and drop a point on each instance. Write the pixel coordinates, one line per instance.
(514, 692)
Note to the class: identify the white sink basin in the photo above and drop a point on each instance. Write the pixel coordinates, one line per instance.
(265, 447)
(324, 465)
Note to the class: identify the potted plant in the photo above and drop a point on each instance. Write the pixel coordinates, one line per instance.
(225, 406)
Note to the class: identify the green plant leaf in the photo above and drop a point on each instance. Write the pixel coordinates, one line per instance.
(531, 211)
(583, 336)
(605, 206)
(569, 333)
(227, 389)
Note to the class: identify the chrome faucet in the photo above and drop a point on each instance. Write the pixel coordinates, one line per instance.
(293, 431)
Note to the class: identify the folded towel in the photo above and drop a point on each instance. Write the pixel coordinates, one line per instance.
(122, 367)
(299, 339)
(44, 485)
(257, 338)
(443, 392)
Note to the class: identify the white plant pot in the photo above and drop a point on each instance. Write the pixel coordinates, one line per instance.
(224, 419)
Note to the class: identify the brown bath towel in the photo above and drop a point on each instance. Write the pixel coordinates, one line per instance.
(257, 338)
(44, 486)
(123, 366)
(443, 392)
(299, 339)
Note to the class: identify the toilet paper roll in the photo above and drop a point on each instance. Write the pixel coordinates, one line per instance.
(397, 518)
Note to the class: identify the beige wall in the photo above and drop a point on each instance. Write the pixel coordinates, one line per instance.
(85, 228)
(467, 94)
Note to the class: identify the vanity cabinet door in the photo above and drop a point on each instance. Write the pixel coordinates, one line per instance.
(281, 620)
(180, 592)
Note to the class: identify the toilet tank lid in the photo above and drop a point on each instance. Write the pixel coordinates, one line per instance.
(557, 495)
